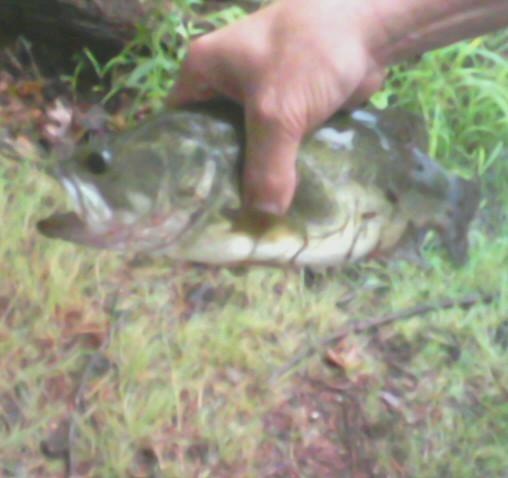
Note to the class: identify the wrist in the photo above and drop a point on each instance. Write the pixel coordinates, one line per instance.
(407, 28)
(399, 24)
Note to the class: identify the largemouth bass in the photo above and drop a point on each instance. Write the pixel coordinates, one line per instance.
(172, 185)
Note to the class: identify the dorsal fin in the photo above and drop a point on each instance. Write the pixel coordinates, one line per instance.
(404, 126)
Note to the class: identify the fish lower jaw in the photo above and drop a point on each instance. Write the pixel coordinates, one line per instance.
(102, 224)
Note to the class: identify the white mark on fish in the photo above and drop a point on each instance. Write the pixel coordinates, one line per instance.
(107, 156)
(73, 193)
(205, 184)
(369, 119)
(222, 127)
(219, 248)
(231, 150)
(385, 143)
(277, 249)
(337, 139)
(141, 202)
(127, 217)
(95, 207)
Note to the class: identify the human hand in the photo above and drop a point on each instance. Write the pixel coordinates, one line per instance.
(296, 62)
(292, 65)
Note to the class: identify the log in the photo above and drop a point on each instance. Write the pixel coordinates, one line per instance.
(57, 29)
(68, 26)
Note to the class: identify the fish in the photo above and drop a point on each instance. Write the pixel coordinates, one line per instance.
(172, 186)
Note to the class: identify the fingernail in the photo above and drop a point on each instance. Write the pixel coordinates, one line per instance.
(267, 207)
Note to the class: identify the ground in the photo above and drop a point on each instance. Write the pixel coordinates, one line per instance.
(118, 365)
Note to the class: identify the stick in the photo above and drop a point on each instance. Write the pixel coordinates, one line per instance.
(358, 327)
(71, 463)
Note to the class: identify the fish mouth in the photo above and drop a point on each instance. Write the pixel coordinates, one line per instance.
(95, 223)
(87, 224)
(88, 202)
(69, 226)
(61, 225)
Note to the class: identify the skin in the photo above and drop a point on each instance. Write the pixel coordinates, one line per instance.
(294, 63)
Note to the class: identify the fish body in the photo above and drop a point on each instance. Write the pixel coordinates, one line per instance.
(172, 186)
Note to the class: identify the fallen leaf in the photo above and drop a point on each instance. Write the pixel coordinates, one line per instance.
(58, 128)
(30, 89)
(346, 356)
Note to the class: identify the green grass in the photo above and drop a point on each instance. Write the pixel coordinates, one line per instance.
(149, 64)
(188, 353)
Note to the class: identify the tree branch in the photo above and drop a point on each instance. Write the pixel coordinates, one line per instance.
(358, 327)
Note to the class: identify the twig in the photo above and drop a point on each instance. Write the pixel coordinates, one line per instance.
(95, 363)
(358, 327)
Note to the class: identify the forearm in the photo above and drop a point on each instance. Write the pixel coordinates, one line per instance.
(412, 27)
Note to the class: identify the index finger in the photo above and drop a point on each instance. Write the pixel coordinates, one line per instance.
(192, 85)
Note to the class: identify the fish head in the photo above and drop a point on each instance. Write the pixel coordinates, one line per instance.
(108, 185)
(111, 189)
(131, 193)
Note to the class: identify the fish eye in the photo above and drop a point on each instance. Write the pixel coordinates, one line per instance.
(96, 163)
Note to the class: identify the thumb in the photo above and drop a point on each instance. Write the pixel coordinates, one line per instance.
(270, 174)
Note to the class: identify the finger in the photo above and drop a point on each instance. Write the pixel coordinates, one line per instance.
(192, 84)
(210, 69)
(270, 173)
(187, 91)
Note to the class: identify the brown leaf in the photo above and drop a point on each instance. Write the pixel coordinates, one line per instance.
(30, 89)
(346, 356)
(58, 127)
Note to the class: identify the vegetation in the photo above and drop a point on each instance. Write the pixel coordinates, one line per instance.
(135, 367)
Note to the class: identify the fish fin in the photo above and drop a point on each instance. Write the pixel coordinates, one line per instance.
(399, 125)
(408, 128)
(463, 202)
(409, 248)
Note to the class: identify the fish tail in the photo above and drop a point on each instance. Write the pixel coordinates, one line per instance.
(463, 201)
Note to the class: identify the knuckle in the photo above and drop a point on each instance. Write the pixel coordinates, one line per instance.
(279, 113)
(266, 108)
(198, 56)
(199, 47)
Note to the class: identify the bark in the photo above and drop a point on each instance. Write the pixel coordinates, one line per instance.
(69, 25)
(56, 29)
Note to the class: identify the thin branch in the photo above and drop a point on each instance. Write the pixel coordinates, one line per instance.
(358, 327)
(98, 362)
